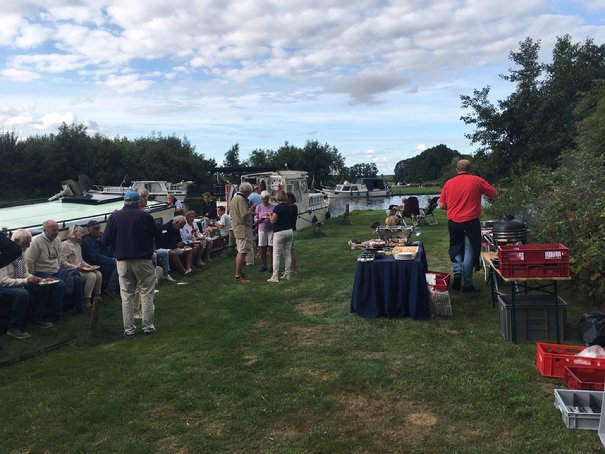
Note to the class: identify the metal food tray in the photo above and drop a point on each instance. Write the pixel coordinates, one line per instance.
(388, 232)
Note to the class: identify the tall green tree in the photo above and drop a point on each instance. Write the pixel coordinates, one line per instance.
(363, 169)
(534, 124)
(430, 165)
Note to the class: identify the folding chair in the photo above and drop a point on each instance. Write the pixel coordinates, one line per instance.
(427, 214)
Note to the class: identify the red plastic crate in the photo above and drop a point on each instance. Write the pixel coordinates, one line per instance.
(534, 260)
(551, 359)
(588, 378)
(442, 281)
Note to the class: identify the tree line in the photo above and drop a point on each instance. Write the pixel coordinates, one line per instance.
(34, 167)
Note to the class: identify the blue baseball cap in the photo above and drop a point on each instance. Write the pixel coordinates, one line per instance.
(131, 196)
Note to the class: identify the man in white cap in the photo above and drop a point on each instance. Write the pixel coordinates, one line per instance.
(131, 233)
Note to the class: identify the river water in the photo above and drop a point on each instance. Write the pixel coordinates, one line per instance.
(337, 206)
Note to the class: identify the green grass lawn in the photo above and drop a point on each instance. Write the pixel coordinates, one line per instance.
(286, 368)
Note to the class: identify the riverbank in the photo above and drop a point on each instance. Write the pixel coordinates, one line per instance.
(286, 368)
(416, 190)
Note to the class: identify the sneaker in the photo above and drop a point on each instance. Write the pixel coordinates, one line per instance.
(273, 279)
(128, 333)
(168, 277)
(18, 334)
(470, 289)
(189, 272)
(200, 263)
(240, 280)
(285, 276)
(149, 332)
(351, 245)
(457, 284)
(42, 324)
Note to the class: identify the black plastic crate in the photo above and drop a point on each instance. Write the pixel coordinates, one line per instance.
(535, 317)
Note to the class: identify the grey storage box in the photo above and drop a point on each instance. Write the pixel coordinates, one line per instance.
(535, 317)
(580, 409)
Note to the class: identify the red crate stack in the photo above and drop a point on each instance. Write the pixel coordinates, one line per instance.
(588, 378)
(551, 359)
(534, 260)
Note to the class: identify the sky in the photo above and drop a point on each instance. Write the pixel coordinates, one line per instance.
(380, 80)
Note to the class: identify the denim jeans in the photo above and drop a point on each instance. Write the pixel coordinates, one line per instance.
(464, 264)
(163, 259)
(20, 300)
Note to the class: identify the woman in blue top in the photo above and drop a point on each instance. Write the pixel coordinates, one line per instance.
(281, 218)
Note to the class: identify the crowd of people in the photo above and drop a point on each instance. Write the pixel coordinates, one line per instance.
(134, 252)
(276, 227)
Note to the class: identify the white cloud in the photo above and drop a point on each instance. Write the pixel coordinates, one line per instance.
(19, 75)
(32, 35)
(128, 83)
(51, 121)
(9, 27)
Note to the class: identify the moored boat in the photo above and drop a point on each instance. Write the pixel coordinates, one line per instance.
(158, 189)
(361, 187)
(70, 210)
(312, 206)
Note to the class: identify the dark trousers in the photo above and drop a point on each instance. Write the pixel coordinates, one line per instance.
(50, 302)
(20, 299)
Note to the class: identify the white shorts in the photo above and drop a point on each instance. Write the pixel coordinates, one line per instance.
(265, 237)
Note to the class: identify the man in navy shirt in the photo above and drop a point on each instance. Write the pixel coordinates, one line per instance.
(131, 233)
(95, 252)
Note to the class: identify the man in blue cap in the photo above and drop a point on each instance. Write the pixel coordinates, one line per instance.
(131, 233)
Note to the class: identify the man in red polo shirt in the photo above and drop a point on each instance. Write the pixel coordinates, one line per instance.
(461, 197)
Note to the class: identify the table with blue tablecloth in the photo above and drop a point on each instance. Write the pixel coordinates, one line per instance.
(392, 288)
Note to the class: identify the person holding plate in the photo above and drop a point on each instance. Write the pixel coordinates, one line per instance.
(171, 240)
(42, 258)
(71, 257)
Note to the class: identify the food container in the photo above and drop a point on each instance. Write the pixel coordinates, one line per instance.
(405, 252)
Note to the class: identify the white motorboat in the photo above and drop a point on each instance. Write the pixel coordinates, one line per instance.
(158, 189)
(361, 187)
(312, 206)
(69, 210)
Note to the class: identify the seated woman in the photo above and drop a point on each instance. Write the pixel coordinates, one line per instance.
(171, 240)
(191, 236)
(71, 258)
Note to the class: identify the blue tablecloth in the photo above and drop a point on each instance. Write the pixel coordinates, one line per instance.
(392, 288)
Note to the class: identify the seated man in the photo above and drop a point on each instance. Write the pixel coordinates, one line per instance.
(95, 252)
(42, 259)
(208, 210)
(224, 222)
(173, 201)
(18, 284)
(171, 240)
